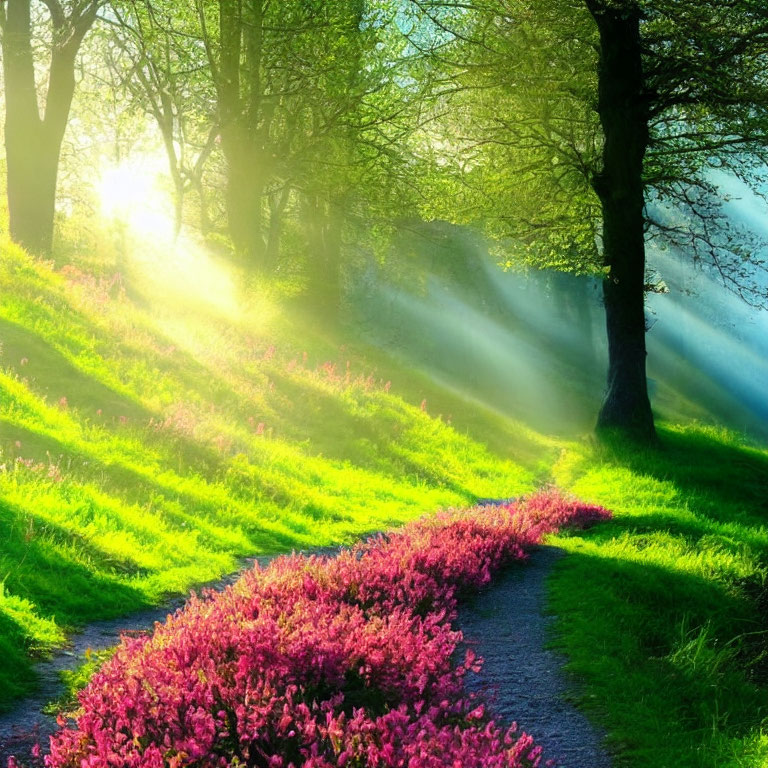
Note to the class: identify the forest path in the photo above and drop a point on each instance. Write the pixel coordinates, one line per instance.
(505, 624)
(522, 679)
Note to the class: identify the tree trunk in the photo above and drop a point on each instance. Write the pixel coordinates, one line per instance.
(197, 179)
(33, 144)
(165, 122)
(31, 158)
(33, 162)
(243, 125)
(623, 114)
(162, 109)
(275, 231)
(244, 201)
(324, 229)
(205, 217)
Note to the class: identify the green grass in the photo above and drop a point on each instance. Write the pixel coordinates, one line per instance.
(664, 611)
(74, 680)
(149, 439)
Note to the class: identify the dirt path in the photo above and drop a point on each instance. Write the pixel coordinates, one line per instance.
(504, 624)
(524, 681)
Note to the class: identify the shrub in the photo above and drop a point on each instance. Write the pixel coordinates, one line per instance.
(320, 662)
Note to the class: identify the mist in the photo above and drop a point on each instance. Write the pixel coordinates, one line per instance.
(531, 344)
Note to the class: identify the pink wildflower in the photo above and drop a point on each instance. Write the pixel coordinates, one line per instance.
(320, 662)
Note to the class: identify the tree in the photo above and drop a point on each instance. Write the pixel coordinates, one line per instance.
(304, 100)
(623, 106)
(345, 143)
(254, 57)
(678, 89)
(33, 135)
(308, 106)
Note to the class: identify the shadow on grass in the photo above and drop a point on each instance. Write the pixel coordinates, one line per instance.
(64, 578)
(52, 376)
(372, 442)
(17, 676)
(504, 436)
(661, 651)
(67, 578)
(183, 509)
(720, 475)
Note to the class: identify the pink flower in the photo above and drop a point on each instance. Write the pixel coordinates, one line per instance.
(320, 662)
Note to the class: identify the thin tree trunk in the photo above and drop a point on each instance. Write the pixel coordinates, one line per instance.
(205, 217)
(275, 232)
(165, 122)
(197, 179)
(332, 292)
(624, 118)
(324, 224)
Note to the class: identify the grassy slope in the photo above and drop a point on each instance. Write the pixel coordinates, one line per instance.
(148, 440)
(155, 474)
(669, 621)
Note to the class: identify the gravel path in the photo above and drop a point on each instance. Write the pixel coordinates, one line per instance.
(523, 680)
(504, 624)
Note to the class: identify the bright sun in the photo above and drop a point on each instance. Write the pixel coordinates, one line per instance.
(130, 193)
(177, 266)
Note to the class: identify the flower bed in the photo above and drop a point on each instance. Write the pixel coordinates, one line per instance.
(320, 662)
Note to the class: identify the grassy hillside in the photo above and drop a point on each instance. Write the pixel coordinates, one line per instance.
(155, 426)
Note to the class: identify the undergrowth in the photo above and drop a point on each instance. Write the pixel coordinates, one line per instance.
(347, 661)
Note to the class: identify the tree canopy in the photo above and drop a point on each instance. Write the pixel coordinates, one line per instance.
(572, 132)
(576, 131)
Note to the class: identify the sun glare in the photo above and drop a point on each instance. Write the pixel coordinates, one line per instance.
(130, 193)
(173, 267)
